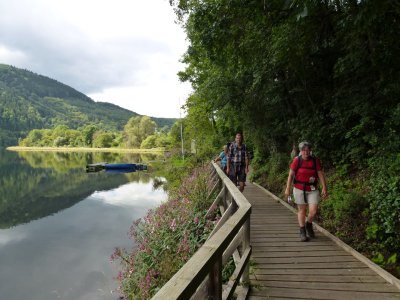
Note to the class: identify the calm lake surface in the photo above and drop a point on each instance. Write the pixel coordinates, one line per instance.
(59, 225)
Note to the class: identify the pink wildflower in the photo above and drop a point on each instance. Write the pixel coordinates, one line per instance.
(173, 225)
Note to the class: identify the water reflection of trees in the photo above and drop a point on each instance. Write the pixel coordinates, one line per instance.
(37, 184)
(64, 161)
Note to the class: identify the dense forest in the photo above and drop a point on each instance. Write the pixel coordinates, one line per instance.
(31, 101)
(325, 71)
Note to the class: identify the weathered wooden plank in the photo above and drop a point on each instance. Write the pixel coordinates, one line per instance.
(258, 238)
(268, 298)
(274, 220)
(275, 226)
(300, 271)
(300, 245)
(333, 286)
(302, 259)
(296, 249)
(291, 229)
(290, 236)
(320, 278)
(272, 227)
(294, 233)
(281, 254)
(325, 265)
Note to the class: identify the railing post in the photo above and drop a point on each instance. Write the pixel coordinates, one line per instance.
(246, 244)
(225, 199)
(215, 284)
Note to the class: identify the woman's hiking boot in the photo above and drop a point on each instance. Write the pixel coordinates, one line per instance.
(303, 236)
(309, 230)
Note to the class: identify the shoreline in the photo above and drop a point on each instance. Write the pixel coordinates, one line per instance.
(83, 149)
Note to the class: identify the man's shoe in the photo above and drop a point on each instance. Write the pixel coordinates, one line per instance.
(303, 236)
(309, 230)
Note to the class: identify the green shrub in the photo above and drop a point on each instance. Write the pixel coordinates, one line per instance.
(271, 172)
(384, 197)
(344, 213)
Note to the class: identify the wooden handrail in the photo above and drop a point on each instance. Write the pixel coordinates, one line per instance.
(233, 226)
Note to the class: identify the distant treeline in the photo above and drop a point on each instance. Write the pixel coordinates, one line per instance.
(138, 132)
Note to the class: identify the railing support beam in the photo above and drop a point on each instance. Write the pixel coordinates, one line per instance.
(215, 285)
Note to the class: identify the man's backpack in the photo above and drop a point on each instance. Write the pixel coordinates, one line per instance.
(299, 163)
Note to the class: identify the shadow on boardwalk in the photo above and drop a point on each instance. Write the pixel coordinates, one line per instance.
(286, 268)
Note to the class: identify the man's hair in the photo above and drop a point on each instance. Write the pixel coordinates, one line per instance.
(305, 144)
(241, 135)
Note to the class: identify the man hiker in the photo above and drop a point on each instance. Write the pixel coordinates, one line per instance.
(238, 162)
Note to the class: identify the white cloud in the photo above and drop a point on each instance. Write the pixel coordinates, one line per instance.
(11, 236)
(131, 194)
(9, 55)
(123, 51)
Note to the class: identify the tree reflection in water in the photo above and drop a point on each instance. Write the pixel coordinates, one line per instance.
(34, 185)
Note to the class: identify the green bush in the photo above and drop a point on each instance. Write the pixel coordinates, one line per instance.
(384, 197)
(272, 172)
(344, 212)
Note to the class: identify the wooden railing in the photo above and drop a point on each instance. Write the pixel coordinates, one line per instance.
(201, 276)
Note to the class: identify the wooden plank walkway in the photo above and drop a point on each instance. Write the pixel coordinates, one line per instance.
(286, 268)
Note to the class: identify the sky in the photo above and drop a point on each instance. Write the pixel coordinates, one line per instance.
(125, 52)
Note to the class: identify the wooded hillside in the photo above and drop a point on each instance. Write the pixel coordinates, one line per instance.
(31, 101)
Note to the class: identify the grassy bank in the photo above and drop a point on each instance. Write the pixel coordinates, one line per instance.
(83, 149)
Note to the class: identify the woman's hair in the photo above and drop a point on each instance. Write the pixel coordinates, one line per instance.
(305, 144)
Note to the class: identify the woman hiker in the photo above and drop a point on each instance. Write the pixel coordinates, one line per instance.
(305, 173)
(223, 157)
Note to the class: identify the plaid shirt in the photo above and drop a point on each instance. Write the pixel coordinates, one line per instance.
(237, 155)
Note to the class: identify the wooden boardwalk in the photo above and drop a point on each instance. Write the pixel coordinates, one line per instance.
(285, 268)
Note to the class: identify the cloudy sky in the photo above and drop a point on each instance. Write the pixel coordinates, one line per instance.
(125, 52)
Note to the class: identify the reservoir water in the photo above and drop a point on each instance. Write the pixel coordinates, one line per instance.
(59, 225)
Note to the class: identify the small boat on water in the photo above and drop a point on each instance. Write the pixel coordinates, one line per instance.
(115, 167)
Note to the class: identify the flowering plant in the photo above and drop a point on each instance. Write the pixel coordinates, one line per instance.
(166, 237)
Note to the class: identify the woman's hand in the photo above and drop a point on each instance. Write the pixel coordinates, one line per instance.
(324, 193)
(287, 192)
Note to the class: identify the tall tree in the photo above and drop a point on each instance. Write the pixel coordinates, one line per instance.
(137, 129)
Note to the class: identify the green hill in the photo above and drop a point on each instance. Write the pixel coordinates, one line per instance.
(29, 101)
